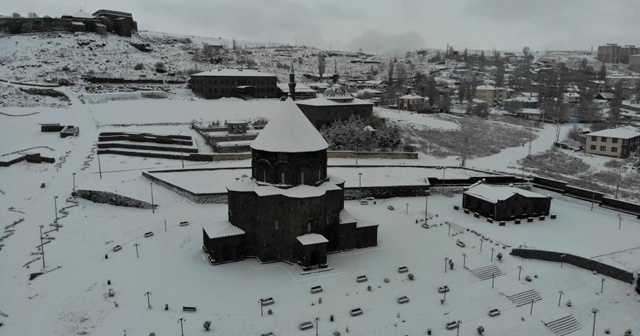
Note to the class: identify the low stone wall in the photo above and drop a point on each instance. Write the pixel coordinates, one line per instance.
(588, 264)
(160, 155)
(629, 207)
(385, 192)
(185, 150)
(372, 155)
(112, 198)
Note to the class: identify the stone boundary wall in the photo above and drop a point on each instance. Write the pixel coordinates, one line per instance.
(588, 264)
(112, 198)
(190, 157)
(184, 150)
(372, 155)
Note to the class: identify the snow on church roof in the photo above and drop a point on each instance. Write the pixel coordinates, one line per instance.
(495, 194)
(82, 14)
(300, 191)
(221, 229)
(312, 239)
(289, 132)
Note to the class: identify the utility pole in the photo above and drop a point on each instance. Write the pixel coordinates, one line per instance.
(493, 279)
(99, 167)
(136, 246)
(619, 222)
(445, 264)
(594, 311)
(55, 205)
(492, 250)
(562, 260)
(360, 185)
(519, 272)
(426, 206)
(464, 261)
(560, 298)
(480, 244)
(261, 312)
(74, 184)
(42, 245)
(317, 319)
(531, 312)
(602, 286)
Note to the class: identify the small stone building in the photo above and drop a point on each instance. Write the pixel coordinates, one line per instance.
(336, 104)
(502, 203)
(289, 209)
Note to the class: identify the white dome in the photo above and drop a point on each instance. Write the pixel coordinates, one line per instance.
(337, 92)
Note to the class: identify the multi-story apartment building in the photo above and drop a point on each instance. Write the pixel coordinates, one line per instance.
(617, 142)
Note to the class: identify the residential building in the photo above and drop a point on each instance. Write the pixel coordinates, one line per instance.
(234, 83)
(634, 63)
(613, 53)
(410, 102)
(617, 142)
(491, 94)
(525, 102)
(502, 203)
(289, 209)
(626, 52)
(571, 98)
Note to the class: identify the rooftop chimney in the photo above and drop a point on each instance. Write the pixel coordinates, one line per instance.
(292, 83)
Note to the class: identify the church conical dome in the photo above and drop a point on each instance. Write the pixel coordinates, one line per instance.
(289, 132)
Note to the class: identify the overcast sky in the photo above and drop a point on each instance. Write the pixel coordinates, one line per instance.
(371, 24)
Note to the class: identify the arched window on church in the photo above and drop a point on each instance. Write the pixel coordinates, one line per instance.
(302, 178)
(276, 225)
(282, 178)
(309, 227)
(264, 176)
(319, 175)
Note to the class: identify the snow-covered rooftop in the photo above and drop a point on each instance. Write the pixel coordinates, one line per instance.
(322, 101)
(312, 239)
(627, 132)
(81, 14)
(234, 73)
(289, 132)
(221, 229)
(300, 191)
(495, 194)
(346, 217)
(284, 87)
(411, 96)
(488, 88)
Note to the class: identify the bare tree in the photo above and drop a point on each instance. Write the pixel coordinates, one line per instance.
(616, 104)
(465, 56)
(602, 74)
(401, 73)
(462, 90)
(16, 15)
(481, 60)
(32, 15)
(321, 64)
(499, 78)
(432, 91)
(444, 103)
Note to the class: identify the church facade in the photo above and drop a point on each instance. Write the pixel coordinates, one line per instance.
(290, 209)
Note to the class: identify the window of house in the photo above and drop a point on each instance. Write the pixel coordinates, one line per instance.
(614, 140)
(614, 149)
(603, 139)
(594, 138)
(593, 147)
(603, 148)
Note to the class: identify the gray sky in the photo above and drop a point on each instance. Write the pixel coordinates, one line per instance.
(367, 24)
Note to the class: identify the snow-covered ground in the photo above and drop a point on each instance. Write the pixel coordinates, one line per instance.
(72, 298)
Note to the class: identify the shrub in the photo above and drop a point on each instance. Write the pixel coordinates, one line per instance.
(138, 66)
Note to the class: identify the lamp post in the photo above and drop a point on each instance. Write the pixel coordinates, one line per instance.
(148, 299)
(261, 311)
(136, 246)
(317, 319)
(99, 167)
(519, 272)
(492, 250)
(560, 298)
(464, 260)
(407, 210)
(480, 244)
(562, 260)
(531, 312)
(595, 312)
(449, 224)
(593, 199)
(493, 279)
(360, 185)
(180, 320)
(74, 183)
(444, 169)
(153, 208)
(619, 222)
(602, 286)
(55, 205)
(42, 245)
(426, 206)
(445, 264)
(458, 328)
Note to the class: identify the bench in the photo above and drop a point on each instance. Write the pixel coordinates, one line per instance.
(316, 289)
(403, 269)
(530, 219)
(553, 216)
(306, 325)
(267, 334)
(362, 278)
(443, 289)
(452, 325)
(267, 301)
(403, 299)
(494, 312)
(148, 234)
(185, 223)
(111, 292)
(116, 248)
(188, 309)
(502, 223)
(356, 312)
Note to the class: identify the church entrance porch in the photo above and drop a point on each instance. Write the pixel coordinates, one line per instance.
(312, 251)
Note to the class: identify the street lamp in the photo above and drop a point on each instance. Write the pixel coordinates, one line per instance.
(74, 183)
(480, 244)
(426, 206)
(317, 319)
(180, 320)
(444, 169)
(458, 328)
(407, 210)
(492, 250)
(595, 312)
(493, 279)
(445, 264)
(560, 299)
(602, 286)
(619, 222)
(42, 245)
(55, 205)
(562, 260)
(519, 272)
(153, 210)
(464, 260)
(360, 185)
(148, 299)
(136, 246)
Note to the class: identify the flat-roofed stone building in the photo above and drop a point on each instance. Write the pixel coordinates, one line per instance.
(234, 83)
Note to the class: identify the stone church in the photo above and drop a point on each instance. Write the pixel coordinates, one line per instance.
(290, 209)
